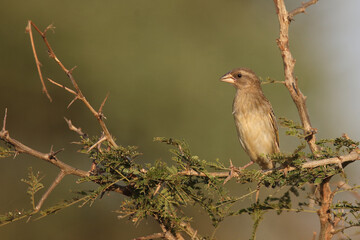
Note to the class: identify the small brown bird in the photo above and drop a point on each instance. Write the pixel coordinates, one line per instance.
(254, 117)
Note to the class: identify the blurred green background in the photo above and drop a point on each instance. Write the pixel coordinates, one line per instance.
(161, 62)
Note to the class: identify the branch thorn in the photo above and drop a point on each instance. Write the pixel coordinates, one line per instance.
(4, 121)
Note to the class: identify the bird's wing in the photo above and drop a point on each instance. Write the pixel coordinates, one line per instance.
(273, 122)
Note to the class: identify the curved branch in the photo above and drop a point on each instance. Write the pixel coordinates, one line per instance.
(78, 94)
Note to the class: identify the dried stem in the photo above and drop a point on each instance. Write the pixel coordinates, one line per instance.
(4, 121)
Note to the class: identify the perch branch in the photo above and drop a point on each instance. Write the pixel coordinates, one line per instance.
(353, 156)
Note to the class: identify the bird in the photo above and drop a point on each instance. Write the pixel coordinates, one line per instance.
(254, 117)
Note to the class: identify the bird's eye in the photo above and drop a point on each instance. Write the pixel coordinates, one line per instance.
(239, 75)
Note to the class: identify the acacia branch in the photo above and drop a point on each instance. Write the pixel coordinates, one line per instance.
(353, 156)
(291, 82)
(51, 158)
(78, 94)
(48, 157)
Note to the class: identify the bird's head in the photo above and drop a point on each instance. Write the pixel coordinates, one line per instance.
(241, 78)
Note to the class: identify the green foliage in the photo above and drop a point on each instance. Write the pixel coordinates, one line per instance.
(82, 198)
(33, 180)
(293, 129)
(159, 190)
(162, 191)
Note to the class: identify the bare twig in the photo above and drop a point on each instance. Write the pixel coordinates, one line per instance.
(103, 103)
(4, 121)
(78, 94)
(62, 86)
(57, 180)
(97, 143)
(38, 64)
(73, 128)
(348, 188)
(301, 9)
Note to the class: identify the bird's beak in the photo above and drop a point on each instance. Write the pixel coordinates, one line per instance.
(228, 78)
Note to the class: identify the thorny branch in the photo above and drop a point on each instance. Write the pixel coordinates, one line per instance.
(289, 64)
(291, 82)
(327, 222)
(353, 156)
(78, 94)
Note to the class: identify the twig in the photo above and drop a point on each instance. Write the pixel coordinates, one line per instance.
(97, 143)
(103, 103)
(301, 9)
(62, 86)
(57, 180)
(73, 128)
(4, 121)
(38, 64)
(347, 188)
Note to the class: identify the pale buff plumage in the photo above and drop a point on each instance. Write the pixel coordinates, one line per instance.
(254, 118)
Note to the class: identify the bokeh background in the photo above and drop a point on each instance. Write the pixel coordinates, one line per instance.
(160, 61)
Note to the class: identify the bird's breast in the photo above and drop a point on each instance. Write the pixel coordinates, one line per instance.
(253, 124)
